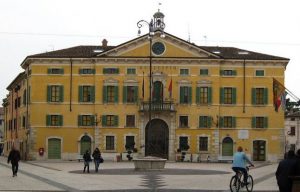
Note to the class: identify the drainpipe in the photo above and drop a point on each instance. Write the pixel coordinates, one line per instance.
(71, 79)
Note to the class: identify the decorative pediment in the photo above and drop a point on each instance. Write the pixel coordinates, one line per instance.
(110, 81)
(204, 83)
(167, 46)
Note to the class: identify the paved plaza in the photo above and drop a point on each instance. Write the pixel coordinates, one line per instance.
(121, 176)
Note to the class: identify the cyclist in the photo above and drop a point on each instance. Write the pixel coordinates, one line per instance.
(239, 163)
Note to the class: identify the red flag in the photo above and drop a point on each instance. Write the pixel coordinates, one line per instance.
(170, 89)
(278, 91)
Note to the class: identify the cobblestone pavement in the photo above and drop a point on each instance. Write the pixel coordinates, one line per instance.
(121, 177)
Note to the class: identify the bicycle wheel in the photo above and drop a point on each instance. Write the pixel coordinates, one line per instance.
(249, 187)
(234, 184)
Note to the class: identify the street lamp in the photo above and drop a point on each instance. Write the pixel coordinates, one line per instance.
(156, 24)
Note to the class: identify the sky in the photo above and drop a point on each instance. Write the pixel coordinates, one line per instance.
(30, 27)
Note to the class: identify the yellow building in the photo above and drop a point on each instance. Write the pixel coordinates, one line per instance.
(205, 101)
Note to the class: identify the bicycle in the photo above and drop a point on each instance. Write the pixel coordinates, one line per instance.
(237, 181)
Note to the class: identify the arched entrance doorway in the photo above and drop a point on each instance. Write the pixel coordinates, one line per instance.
(85, 144)
(158, 93)
(157, 139)
(227, 147)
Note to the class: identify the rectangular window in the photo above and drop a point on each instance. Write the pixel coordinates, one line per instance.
(183, 143)
(110, 71)
(204, 121)
(185, 95)
(184, 71)
(131, 94)
(259, 122)
(228, 95)
(87, 96)
(130, 120)
(86, 120)
(110, 93)
(203, 95)
(54, 120)
(110, 120)
(203, 143)
(55, 93)
(131, 71)
(259, 96)
(203, 72)
(86, 71)
(228, 72)
(292, 131)
(228, 122)
(259, 73)
(183, 121)
(110, 143)
(55, 71)
(129, 143)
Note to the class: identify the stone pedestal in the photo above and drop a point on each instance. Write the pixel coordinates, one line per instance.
(149, 163)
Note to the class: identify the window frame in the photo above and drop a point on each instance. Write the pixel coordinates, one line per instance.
(183, 121)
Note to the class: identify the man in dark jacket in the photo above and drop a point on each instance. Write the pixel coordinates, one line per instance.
(14, 157)
(285, 169)
(97, 157)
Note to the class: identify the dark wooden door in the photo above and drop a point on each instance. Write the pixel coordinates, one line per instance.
(259, 150)
(157, 139)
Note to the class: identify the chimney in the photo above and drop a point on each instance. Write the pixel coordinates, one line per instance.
(104, 43)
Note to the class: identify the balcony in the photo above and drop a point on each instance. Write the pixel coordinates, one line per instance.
(157, 106)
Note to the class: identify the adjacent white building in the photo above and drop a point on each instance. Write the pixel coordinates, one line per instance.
(292, 131)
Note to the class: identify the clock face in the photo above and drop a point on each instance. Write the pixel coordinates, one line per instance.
(158, 48)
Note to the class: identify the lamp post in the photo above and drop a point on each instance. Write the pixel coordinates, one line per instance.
(140, 24)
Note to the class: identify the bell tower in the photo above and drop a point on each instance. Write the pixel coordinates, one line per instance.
(158, 23)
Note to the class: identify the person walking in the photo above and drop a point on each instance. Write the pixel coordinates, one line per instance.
(97, 157)
(239, 163)
(87, 159)
(286, 168)
(14, 157)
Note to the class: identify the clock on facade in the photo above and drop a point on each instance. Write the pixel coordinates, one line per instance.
(158, 48)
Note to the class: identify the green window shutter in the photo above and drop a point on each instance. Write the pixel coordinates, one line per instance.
(104, 70)
(49, 71)
(49, 93)
(221, 72)
(92, 93)
(233, 95)
(253, 122)
(61, 93)
(209, 96)
(116, 120)
(118, 71)
(190, 95)
(136, 91)
(221, 95)
(253, 93)
(104, 121)
(92, 120)
(80, 88)
(124, 94)
(234, 72)
(116, 90)
(265, 122)
(104, 94)
(201, 119)
(221, 122)
(79, 120)
(93, 71)
(80, 71)
(60, 120)
(233, 122)
(198, 95)
(48, 120)
(265, 96)
(61, 71)
(209, 122)
(181, 94)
